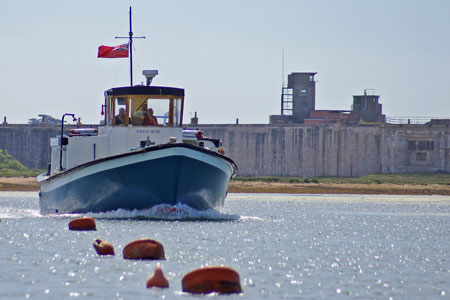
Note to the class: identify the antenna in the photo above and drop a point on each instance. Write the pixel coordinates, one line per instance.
(282, 68)
(130, 45)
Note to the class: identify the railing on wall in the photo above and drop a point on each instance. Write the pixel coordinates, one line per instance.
(415, 120)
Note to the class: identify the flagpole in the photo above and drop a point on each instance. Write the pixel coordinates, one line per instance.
(130, 46)
(131, 51)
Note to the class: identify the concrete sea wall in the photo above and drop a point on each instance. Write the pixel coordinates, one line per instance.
(30, 144)
(290, 150)
(334, 150)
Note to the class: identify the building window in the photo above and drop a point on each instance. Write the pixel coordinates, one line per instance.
(304, 91)
(425, 145)
(412, 145)
(421, 145)
(421, 156)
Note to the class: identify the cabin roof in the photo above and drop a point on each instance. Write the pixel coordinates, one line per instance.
(145, 90)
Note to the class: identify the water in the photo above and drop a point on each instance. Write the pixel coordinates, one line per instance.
(283, 246)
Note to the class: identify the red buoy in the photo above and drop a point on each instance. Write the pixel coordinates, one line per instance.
(157, 279)
(103, 248)
(82, 224)
(216, 279)
(144, 249)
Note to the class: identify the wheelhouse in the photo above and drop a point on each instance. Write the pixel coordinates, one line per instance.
(144, 106)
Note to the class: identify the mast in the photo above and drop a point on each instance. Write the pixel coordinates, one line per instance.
(130, 46)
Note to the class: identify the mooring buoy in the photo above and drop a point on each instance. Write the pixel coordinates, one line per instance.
(215, 279)
(103, 247)
(158, 279)
(144, 249)
(82, 224)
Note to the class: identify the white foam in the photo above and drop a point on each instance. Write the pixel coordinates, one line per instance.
(17, 213)
(166, 212)
(250, 218)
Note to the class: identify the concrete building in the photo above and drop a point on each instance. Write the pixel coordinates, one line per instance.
(338, 150)
(298, 105)
(368, 107)
(291, 149)
(298, 99)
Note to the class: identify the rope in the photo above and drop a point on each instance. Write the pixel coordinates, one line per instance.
(118, 71)
(121, 26)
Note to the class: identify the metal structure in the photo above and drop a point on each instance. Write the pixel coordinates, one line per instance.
(287, 101)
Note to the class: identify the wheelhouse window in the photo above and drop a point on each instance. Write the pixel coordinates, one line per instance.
(120, 111)
(161, 110)
(177, 111)
(144, 110)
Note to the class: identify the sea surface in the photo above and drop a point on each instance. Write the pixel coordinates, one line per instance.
(283, 247)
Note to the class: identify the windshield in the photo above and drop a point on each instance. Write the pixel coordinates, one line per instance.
(144, 110)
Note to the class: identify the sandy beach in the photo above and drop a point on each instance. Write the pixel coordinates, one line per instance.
(337, 188)
(236, 186)
(19, 184)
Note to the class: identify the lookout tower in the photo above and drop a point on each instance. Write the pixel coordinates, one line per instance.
(303, 89)
(368, 106)
(298, 98)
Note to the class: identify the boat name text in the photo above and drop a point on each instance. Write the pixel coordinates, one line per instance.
(147, 130)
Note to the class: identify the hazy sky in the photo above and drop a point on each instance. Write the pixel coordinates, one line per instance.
(226, 54)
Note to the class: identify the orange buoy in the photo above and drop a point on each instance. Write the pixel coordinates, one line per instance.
(217, 279)
(144, 249)
(82, 224)
(103, 248)
(158, 279)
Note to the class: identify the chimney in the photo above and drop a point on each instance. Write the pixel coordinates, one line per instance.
(194, 120)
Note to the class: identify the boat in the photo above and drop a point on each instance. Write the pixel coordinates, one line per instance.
(139, 158)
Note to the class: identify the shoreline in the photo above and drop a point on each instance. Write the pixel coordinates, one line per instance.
(236, 186)
(19, 184)
(338, 188)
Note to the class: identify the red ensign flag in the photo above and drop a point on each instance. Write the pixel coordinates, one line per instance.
(113, 52)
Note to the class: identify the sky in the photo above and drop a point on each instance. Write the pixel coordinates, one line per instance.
(227, 55)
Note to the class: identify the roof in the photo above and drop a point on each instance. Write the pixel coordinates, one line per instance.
(145, 90)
